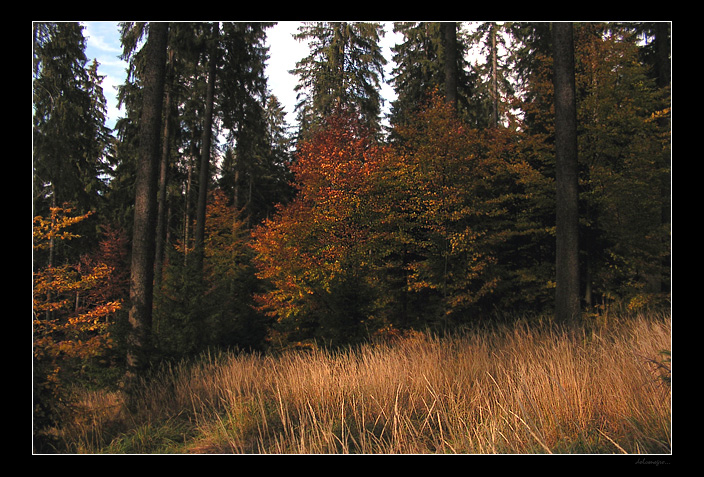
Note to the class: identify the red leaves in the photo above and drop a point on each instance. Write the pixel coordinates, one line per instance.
(312, 241)
(417, 209)
(74, 304)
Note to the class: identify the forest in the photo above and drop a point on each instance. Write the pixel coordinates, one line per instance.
(529, 182)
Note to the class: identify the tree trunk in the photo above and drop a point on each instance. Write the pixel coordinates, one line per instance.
(494, 79)
(205, 155)
(567, 305)
(143, 240)
(450, 37)
(163, 170)
(187, 204)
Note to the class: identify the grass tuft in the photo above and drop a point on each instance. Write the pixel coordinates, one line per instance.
(506, 390)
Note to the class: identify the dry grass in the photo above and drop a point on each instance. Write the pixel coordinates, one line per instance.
(508, 390)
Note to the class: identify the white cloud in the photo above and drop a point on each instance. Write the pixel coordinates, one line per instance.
(103, 37)
(284, 52)
(103, 44)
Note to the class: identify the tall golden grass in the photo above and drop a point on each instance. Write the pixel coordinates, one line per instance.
(507, 390)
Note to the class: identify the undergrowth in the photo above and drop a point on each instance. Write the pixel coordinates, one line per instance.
(506, 389)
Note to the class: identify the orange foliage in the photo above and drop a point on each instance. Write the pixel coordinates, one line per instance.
(313, 242)
(442, 191)
(44, 230)
(72, 312)
(417, 209)
(224, 243)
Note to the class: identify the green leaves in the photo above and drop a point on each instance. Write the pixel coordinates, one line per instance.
(410, 230)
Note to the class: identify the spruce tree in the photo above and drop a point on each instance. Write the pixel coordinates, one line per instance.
(343, 70)
(432, 56)
(144, 231)
(567, 301)
(70, 140)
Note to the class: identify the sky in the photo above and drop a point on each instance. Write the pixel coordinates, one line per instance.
(103, 44)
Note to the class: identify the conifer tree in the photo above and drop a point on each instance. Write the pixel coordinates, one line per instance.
(144, 231)
(567, 295)
(343, 70)
(428, 60)
(243, 102)
(495, 70)
(70, 139)
(450, 62)
(205, 153)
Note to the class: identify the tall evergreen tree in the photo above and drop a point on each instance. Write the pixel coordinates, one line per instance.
(144, 231)
(70, 140)
(495, 71)
(624, 158)
(450, 62)
(236, 162)
(254, 173)
(164, 166)
(206, 140)
(657, 54)
(567, 301)
(418, 69)
(344, 69)
(242, 108)
(425, 61)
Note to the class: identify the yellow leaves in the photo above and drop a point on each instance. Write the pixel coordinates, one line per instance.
(661, 114)
(91, 320)
(463, 241)
(65, 280)
(67, 322)
(53, 228)
(410, 218)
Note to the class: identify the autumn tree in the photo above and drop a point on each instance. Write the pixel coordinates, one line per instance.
(444, 196)
(623, 149)
(411, 235)
(311, 253)
(74, 307)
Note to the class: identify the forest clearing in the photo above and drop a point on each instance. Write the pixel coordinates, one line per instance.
(476, 263)
(519, 389)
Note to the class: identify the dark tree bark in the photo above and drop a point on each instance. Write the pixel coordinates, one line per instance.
(662, 52)
(162, 219)
(450, 40)
(204, 176)
(143, 240)
(567, 304)
(494, 78)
